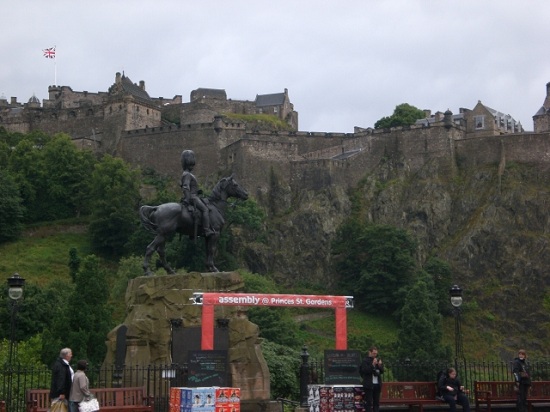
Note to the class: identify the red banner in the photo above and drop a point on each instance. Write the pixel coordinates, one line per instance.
(211, 299)
(260, 299)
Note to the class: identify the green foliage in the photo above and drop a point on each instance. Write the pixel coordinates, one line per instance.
(89, 319)
(52, 175)
(11, 208)
(74, 263)
(115, 197)
(420, 333)
(128, 268)
(283, 363)
(162, 185)
(374, 263)
(259, 121)
(403, 115)
(276, 324)
(440, 272)
(255, 283)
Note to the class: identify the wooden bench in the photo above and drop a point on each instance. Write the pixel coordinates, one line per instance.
(410, 394)
(110, 399)
(502, 393)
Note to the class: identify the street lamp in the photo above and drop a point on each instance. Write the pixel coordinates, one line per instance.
(15, 293)
(456, 301)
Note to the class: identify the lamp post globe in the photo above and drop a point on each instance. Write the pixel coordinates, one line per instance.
(15, 286)
(456, 296)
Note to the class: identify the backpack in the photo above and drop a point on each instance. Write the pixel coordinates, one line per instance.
(440, 374)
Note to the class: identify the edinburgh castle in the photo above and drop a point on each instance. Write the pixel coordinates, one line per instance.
(127, 122)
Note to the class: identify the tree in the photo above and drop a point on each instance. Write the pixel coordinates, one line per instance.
(115, 198)
(89, 319)
(11, 208)
(374, 263)
(420, 332)
(282, 363)
(26, 164)
(440, 271)
(403, 115)
(66, 182)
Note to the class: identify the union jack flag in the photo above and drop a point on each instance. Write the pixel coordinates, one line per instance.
(49, 53)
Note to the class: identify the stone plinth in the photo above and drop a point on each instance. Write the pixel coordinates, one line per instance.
(154, 302)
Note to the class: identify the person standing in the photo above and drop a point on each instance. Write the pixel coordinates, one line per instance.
(522, 377)
(62, 376)
(80, 389)
(371, 370)
(452, 391)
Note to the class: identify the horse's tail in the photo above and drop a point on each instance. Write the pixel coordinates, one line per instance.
(144, 214)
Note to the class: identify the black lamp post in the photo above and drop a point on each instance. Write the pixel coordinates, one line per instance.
(15, 293)
(304, 377)
(456, 301)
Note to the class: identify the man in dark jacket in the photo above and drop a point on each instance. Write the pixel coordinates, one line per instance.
(371, 370)
(62, 375)
(522, 377)
(452, 391)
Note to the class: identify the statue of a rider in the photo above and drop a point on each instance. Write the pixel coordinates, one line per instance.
(190, 189)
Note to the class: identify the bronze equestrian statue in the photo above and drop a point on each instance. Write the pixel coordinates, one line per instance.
(169, 218)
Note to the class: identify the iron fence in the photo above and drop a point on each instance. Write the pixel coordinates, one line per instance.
(158, 379)
(468, 371)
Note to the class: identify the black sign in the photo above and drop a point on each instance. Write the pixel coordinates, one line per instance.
(207, 368)
(342, 367)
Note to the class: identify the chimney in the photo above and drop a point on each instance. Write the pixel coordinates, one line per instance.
(13, 101)
(118, 77)
(142, 85)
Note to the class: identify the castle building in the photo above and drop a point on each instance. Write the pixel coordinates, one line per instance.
(541, 120)
(147, 131)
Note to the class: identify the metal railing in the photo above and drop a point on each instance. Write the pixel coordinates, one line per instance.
(468, 371)
(158, 379)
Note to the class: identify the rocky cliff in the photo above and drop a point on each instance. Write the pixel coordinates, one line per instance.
(490, 222)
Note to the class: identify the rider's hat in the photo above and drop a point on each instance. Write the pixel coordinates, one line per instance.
(187, 158)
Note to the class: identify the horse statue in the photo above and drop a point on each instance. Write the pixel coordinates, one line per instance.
(169, 218)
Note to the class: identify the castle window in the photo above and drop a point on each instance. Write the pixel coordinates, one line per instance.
(275, 110)
(479, 121)
(110, 109)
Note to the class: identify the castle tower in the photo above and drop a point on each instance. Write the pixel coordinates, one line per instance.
(541, 120)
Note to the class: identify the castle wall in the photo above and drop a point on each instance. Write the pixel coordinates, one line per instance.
(63, 97)
(525, 148)
(160, 148)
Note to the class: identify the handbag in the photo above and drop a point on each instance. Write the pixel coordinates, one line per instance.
(91, 405)
(59, 405)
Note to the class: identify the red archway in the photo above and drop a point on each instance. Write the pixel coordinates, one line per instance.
(211, 299)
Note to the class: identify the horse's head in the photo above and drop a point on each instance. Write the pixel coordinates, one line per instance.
(234, 189)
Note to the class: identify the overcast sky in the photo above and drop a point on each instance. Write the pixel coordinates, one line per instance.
(344, 63)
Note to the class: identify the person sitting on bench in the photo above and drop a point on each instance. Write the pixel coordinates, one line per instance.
(452, 391)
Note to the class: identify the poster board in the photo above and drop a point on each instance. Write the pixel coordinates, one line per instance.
(207, 368)
(342, 367)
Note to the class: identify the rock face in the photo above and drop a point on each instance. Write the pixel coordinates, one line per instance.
(490, 222)
(154, 302)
